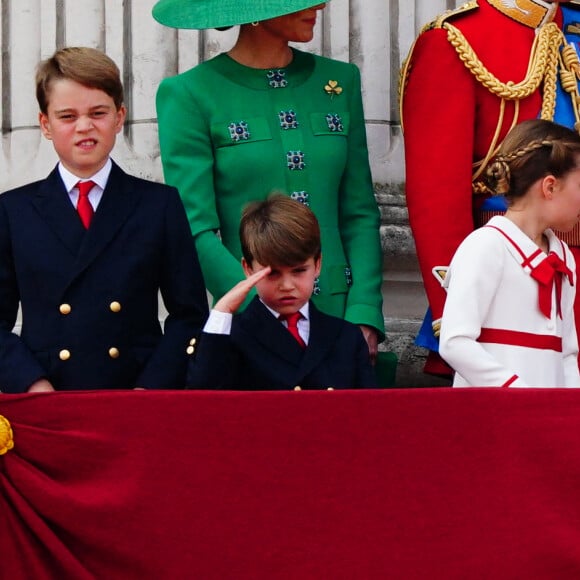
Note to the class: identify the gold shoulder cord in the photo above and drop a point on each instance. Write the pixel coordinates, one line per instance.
(545, 59)
(542, 66)
(545, 56)
(569, 76)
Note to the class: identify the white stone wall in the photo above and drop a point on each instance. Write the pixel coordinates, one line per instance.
(374, 34)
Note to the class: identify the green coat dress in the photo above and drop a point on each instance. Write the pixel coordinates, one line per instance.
(230, 134)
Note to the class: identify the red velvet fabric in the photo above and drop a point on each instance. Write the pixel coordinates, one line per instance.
(400, 484)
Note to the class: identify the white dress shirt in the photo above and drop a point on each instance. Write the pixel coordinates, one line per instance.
(100, 179)
(221, 322)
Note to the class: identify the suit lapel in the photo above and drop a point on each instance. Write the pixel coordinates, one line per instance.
(117, 204)
(257, 322)
(323, 333)
(55, 208)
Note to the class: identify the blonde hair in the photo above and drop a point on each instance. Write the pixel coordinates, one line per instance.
(531, 150)
(87, 66)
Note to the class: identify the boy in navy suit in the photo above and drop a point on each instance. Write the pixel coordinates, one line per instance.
(264, 347)
(86, 251)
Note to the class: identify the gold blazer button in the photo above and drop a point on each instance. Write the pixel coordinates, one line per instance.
(115, 306)
(65, 308)
(114, 352)
(64, 354)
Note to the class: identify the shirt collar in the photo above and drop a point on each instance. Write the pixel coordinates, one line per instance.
(523, 249)
(70, 180)
(305, 310)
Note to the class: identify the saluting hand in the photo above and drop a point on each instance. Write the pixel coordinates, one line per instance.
(233, 299)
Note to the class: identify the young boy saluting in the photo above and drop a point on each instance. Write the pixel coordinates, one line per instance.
(86, 251)
(280, 341)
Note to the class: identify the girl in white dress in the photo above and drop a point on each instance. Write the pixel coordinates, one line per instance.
(508, 318)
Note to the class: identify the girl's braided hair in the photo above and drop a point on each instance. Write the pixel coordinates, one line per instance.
(532, 150)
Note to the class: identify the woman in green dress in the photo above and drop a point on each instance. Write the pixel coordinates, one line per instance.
(266, 117)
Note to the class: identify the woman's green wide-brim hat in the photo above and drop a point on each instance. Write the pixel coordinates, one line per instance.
(201, 14)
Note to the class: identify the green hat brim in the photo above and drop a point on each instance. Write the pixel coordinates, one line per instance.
(202, 14)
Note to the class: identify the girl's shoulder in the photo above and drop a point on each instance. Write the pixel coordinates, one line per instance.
(485, 236)
(485, 247)
(502, 231)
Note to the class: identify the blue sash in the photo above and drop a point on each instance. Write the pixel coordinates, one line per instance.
(564, 113)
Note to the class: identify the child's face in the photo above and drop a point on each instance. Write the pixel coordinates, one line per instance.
(566, 201)
(286, 288)
(82, 123)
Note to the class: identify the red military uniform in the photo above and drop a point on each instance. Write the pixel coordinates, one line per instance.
(456, 107)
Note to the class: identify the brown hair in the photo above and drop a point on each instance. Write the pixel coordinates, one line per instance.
(532, 150)
(279, 231)
(87, 66)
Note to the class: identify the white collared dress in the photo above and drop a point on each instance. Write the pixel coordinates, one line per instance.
(493, 332)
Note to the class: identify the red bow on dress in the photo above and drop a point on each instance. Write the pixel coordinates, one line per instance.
(548, 273)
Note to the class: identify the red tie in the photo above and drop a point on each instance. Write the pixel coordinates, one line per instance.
(548, 273)
(84, 207)
(292, 321)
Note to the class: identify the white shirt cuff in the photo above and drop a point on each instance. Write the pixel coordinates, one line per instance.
(218, 323)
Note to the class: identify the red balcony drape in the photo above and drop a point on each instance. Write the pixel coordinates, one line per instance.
(397, 484)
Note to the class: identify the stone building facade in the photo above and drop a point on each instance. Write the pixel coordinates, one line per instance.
(374, 34)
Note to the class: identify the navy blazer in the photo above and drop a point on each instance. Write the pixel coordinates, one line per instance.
(261, 354)
(89, 298)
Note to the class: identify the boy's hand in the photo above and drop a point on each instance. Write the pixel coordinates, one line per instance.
(372, 338)
(232, 299)
(41, 386)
